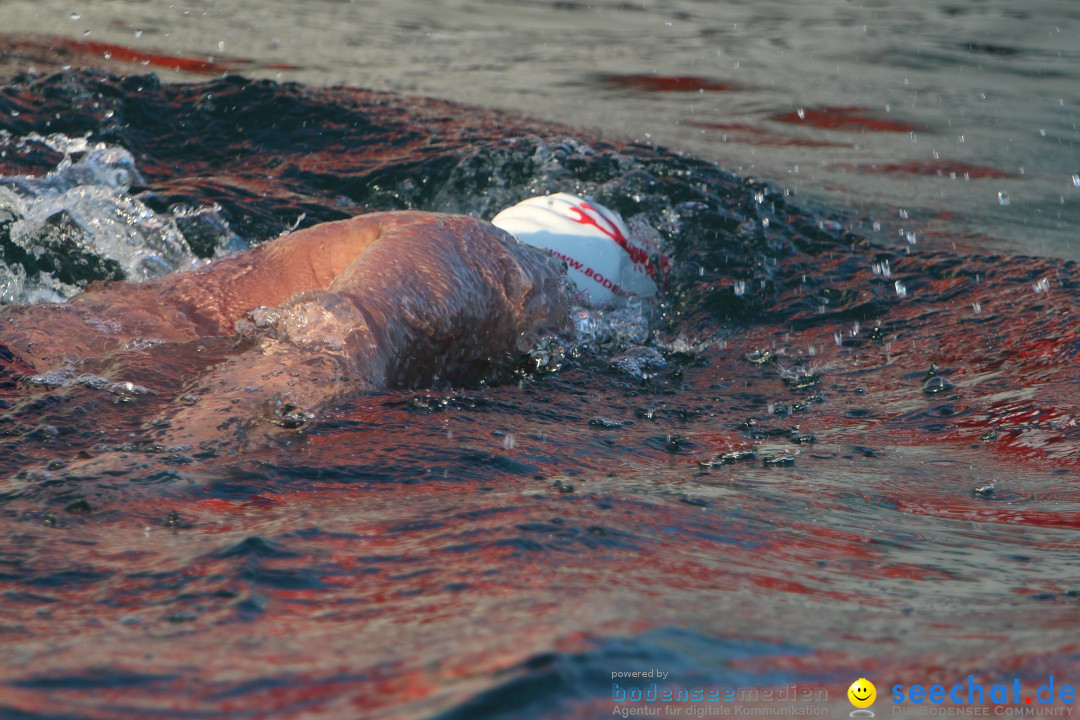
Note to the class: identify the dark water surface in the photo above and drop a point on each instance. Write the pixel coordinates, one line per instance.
(953, 122)
(839, 456)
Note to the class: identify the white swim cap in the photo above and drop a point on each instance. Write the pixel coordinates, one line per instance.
(594, 242)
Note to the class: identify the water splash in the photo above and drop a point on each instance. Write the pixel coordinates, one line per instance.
(79, 223)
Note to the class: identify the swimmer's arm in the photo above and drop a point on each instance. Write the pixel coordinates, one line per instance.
(268, 393)
(214, 297)
(183, 306)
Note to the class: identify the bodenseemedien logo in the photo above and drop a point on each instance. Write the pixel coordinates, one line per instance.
(862, 694)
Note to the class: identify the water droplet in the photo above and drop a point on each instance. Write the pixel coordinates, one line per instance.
(108, 55)
(778, 460)
(911, 238)
(138, 33)
(1076, 181)
(903, 214)
(78, 506)
(740, 288)
(801, 112)
(563, 485)
(901, 289)
(1003, 198)
(1043, 285)
(221, 46)
(977, 307)
(509, 441)
(937, 385)
(765, 222)
(75, 14)
(877, 226)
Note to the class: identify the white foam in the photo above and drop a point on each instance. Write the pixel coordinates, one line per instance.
(83, 205)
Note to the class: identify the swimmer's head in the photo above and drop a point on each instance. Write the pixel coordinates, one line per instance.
(606, 266)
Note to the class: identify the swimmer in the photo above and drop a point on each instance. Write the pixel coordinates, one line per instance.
(383, 300)
(380, 301)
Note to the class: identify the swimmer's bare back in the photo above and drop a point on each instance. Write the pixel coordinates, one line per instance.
(386, 300)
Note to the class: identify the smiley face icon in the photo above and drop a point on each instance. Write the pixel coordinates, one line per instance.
(862, 693)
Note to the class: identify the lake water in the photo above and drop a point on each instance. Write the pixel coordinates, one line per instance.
(848, 449)
(954, 120)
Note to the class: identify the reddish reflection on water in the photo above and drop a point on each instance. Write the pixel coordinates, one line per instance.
(406, 556)
(758, 135)
(670, 83)
(939, 168)
(50, 49)
(846, 118)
